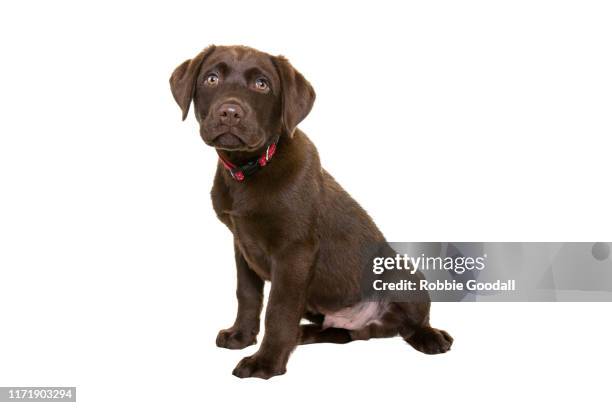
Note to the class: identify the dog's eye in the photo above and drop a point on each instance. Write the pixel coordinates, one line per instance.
(261, 84)
(212, 80)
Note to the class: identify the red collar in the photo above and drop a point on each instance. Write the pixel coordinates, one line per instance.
(239, 173)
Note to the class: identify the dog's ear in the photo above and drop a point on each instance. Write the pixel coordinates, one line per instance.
(182, 80)
(298, 95)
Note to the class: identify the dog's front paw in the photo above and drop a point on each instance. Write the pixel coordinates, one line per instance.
(257, 366)
(236, 338)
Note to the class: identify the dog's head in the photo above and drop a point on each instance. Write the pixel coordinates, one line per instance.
(243, 98)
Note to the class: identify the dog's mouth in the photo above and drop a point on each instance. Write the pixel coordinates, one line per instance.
(228, 141)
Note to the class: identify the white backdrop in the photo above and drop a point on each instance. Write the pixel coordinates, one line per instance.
(491, 120)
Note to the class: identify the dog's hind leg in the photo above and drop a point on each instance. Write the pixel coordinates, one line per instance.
(316, 318)
(417, 332)
(314, 333)
(428, 340)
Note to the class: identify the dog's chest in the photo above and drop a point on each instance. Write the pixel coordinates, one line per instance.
(252, 243)
(256, 226)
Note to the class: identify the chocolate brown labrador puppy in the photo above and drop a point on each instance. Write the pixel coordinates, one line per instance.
(292, 223)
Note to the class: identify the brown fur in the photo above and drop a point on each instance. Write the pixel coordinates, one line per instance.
(292, 222)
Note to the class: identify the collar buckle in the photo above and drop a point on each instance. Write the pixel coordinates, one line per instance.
(239, 173)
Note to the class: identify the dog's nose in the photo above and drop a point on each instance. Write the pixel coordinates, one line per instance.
(230, 113)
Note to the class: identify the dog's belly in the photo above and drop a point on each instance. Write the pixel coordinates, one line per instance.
(355, 317)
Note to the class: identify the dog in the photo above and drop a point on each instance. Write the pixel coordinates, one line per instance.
(292, 223)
